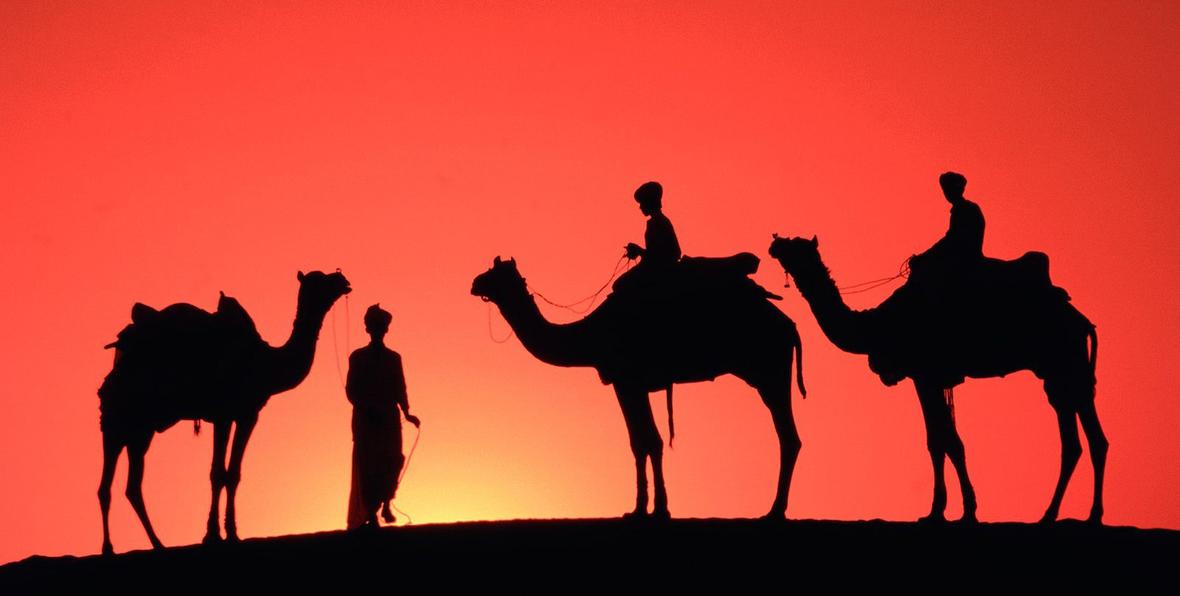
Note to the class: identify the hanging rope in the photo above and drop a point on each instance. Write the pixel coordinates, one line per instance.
(335, 345)
(492, 334)
(621, 266)
(949, 395)
(902, 272)
(406, 468)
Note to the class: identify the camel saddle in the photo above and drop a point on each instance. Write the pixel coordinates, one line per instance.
(926, 315)
(156, 342)
(693, 274)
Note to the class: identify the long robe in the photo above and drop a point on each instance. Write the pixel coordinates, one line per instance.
(376, 387)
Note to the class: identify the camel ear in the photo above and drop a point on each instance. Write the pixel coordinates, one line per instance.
(512, 261)
(299, 276)
(497, 261)
(815, 241)
(221, 293)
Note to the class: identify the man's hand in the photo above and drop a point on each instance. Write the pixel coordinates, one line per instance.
(634, 251)
(412, 419)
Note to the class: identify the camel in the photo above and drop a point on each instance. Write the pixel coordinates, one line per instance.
(642, 347)
(992, 331)
(183, 363)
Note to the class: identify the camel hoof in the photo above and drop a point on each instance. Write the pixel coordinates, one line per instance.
(934, 519)
(661, 515)
(211, 538)
(1095, 519)
(637, 515)
(969, 519)
(157, 545)
(1049, 518)
(774, 516)
(231, 537)
(108, 550)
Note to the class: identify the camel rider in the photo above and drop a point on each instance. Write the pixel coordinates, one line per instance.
(961, 249)
(662, 249)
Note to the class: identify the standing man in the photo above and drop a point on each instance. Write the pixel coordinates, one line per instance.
(376, 387)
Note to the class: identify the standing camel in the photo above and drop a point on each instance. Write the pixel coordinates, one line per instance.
(642, 346)
(183, 363)
(993, 331)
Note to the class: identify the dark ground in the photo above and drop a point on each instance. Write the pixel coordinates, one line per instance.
(574, 555)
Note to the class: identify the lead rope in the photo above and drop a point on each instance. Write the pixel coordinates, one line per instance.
(902, 271)
(621, 266)
(406, 468)
(492, 334)
(335, 344)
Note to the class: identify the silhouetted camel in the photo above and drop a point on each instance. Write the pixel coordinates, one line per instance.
(643, 347)
(183, 363)
(992, 331)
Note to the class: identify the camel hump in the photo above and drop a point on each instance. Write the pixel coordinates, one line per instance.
(143, 314)
(234, 319)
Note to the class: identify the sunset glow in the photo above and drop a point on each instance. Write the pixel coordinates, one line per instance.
(162, 152)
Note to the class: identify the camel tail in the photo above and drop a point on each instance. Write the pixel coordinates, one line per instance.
(197, 427)
(799, 365)
(671, 423)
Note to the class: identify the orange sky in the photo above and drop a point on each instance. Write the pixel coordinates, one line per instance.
(160, 152)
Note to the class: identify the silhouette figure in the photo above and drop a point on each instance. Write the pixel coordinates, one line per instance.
(998, 322)
(183, 363)
(662, 247)
(962, 246)
(658, 259)
(376, 388)
(712, 323)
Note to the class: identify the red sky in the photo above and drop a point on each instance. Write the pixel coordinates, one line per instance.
(160, 152)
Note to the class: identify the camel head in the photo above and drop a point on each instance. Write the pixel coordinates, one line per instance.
(789, 251)
(502, 280)
(319, 290)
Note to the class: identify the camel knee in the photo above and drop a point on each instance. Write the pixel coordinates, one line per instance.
(654, 446)
(134, 493)
(954, 448)
(791, 444)
(1099, 446)
(232, 479)
(935, 447)
(217, 478)
(1071, 452)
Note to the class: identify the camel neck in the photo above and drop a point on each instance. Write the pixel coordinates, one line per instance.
(293, 359)
(557, 344)
(842, 325)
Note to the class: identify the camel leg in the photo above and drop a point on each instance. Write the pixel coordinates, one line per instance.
(1096, 439)
(110, 457)
(217, 481)
(136, 449)
(778, 399)
(1071, 451)
(953, 444)
(936, 417)
(233, 474)
(645, 443)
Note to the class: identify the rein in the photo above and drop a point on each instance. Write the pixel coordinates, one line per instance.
(902, 272)
(618, 270)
